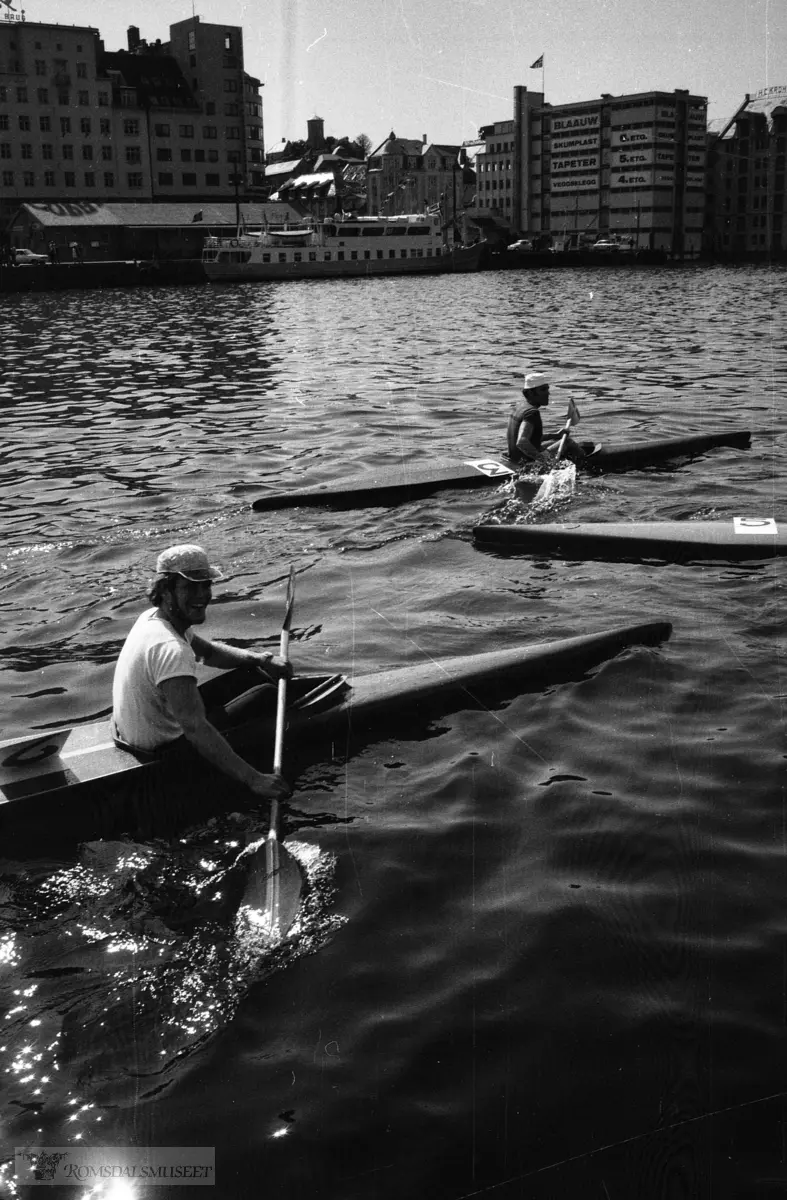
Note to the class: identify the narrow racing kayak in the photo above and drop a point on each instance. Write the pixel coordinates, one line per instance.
(323, 711)
(411, 481)
(737, 538)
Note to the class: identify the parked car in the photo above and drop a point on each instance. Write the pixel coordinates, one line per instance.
(29, 258)
(522, 244)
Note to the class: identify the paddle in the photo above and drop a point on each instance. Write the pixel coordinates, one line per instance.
(282, 873)
(548, 486)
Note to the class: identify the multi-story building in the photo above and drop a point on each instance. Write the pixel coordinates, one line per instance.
(746, 179)
(631, 167)
(407, 175)
(178, 120)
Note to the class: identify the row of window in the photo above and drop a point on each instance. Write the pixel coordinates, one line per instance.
(133, 153)
(134, 178)
(60, 66)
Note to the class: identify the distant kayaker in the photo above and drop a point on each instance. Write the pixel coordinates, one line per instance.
(157, 706)
(526, 432)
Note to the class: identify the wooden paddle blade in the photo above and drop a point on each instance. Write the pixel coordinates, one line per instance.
(290, 599)
(273, 890)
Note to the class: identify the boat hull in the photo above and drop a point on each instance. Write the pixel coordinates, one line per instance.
(396, 485)
(461, 259)
(32, 781)
(736, 539)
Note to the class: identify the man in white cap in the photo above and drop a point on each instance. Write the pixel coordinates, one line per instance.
(525, 429)
(157, 706)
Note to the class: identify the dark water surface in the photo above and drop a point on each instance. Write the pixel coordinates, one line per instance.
(543, 953)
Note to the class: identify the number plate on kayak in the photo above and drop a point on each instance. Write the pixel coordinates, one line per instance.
(488, 466)
(755, 525)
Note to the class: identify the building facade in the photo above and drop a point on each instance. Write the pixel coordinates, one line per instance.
(627, 167)
(178, 120)
(746, 179)
(405, 175)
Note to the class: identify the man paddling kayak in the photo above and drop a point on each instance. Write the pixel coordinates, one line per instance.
(157, 707)
(526, 431)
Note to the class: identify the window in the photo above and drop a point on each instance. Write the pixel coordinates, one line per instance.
(186, 130)
(192, 60)
(47, 150)
(3, 94)
(8, 178)
(232, 132)
(106, 153)
(42, 95)
(192, 40)
(45, 124)
(164, 155)
(90, 179)
(103, 99)
(40, 66)
(87, 152)
(228, 41)
(5, 149)
(68, 151)
(189, 179)
(84, 125)
(210, 108)
(105, 128)
(185, 156)
(109, 179)
(231, 110)
(134, 179)
(63, 99)
(166, 179)
(213, 156)
(199, 156)
(21, 95)
(131, 127)
(133, 154)
(27, 150)
(28, 179)
(230, 85)
(209, 131)
(212, 180)
(81, 70)
(5, 121)
(24, 123)
(161, 130)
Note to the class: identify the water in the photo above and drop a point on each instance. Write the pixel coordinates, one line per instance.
(543, 951)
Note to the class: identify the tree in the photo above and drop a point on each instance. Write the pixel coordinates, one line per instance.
(365, 142)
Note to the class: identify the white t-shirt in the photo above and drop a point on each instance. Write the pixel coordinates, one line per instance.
(152, 652)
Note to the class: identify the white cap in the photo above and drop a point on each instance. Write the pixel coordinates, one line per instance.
(189, 561)
(536, 379)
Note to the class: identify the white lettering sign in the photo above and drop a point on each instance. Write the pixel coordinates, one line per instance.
(562, 125)
(575, 164)
(776, 90)
(574, 145)
(573, 183)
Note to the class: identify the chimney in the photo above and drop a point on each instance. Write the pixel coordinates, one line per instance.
(423, 139)
(133, 38)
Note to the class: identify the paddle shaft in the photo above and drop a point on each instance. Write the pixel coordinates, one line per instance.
(281, 705)
(573, 415)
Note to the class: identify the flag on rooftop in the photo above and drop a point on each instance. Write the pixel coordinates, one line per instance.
(538, 63)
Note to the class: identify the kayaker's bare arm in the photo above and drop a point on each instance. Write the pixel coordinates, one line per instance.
(184, 699)
(525, 445)
(219, 654)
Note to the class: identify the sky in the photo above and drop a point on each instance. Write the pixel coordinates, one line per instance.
(444, 68)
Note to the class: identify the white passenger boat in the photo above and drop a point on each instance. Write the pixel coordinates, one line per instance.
(411, 244)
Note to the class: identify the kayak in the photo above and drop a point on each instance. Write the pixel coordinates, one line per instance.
(323, 711)
(393, 485)
(410, 481)
(738, 538)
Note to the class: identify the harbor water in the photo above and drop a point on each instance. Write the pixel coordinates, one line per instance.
(542, 952)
